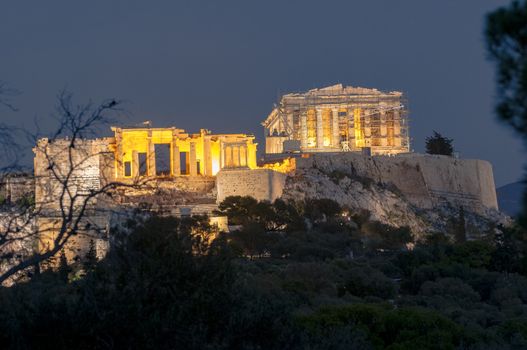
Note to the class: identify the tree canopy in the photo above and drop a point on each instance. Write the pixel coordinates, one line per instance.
(438, 144)
(166, 284)
(506, 39)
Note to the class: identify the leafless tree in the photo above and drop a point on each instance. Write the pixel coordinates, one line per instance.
(6, 94)
(8, 146)
(74, 180)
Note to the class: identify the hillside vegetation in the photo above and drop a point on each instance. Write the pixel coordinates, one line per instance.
(305, 275)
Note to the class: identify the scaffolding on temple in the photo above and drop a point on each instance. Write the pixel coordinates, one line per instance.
(340, 118)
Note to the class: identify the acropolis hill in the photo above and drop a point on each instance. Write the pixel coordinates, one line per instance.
(348, 144)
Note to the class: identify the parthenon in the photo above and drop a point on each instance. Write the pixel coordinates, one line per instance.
(338, 119)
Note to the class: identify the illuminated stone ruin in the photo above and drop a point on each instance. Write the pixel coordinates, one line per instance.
(338, 119)
(157, 153)
(351, 131)
(173, 152)
(179, 170)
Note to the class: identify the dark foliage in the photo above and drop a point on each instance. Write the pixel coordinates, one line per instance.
(90, 260)
(277, 216)
(438, 144)
(506, 39)
(169, 285)
(506, 36)
(460, 231)
(385, 327)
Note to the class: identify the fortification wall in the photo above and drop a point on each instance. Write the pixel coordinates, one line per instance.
(262, 184)
(425, 180)
(84, 168)
(92, 228)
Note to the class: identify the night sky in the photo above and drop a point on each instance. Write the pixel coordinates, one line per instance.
(221, 65)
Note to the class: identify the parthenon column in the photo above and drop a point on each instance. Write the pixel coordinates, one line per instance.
(367, 127)
(397, 128)
(303, 130)
(289, 118)
(335, 128)
(384, 131)
(151, 156)
(192, 159)
(320, 129)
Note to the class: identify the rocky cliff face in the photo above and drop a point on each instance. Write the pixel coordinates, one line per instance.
(386, 201)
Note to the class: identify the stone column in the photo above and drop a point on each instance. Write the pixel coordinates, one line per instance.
(367, 127)
(119, 154)
(320, 129)
(222, 155)
(384, 133)
(176, 160)
(176, 157)
(290, 127)
(335, 128)
(243, 156)
(207, 157)
(251, 155)
(235, 156)
(397, 141)
(229, 163)
(151, 156)
(135, 164)
(303, 130)
(192, 159)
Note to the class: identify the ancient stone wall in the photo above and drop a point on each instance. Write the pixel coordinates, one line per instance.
(22, 238)
(262, 184)
(83, 168)
(91, 228)
(425, 180)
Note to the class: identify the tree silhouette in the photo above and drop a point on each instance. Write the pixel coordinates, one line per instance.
(460, 231)
(90, 260)
(506, 39)
(506, 36)
(438, 144)
(64, 269)
(65, 198)
(6, 94)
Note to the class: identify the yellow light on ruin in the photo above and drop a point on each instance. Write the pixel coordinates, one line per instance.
(215, 166)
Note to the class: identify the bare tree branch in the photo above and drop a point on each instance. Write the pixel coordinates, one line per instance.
(6, 94)
(67, 198)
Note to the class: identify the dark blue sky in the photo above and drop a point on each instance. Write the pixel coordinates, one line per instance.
(221, 64)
